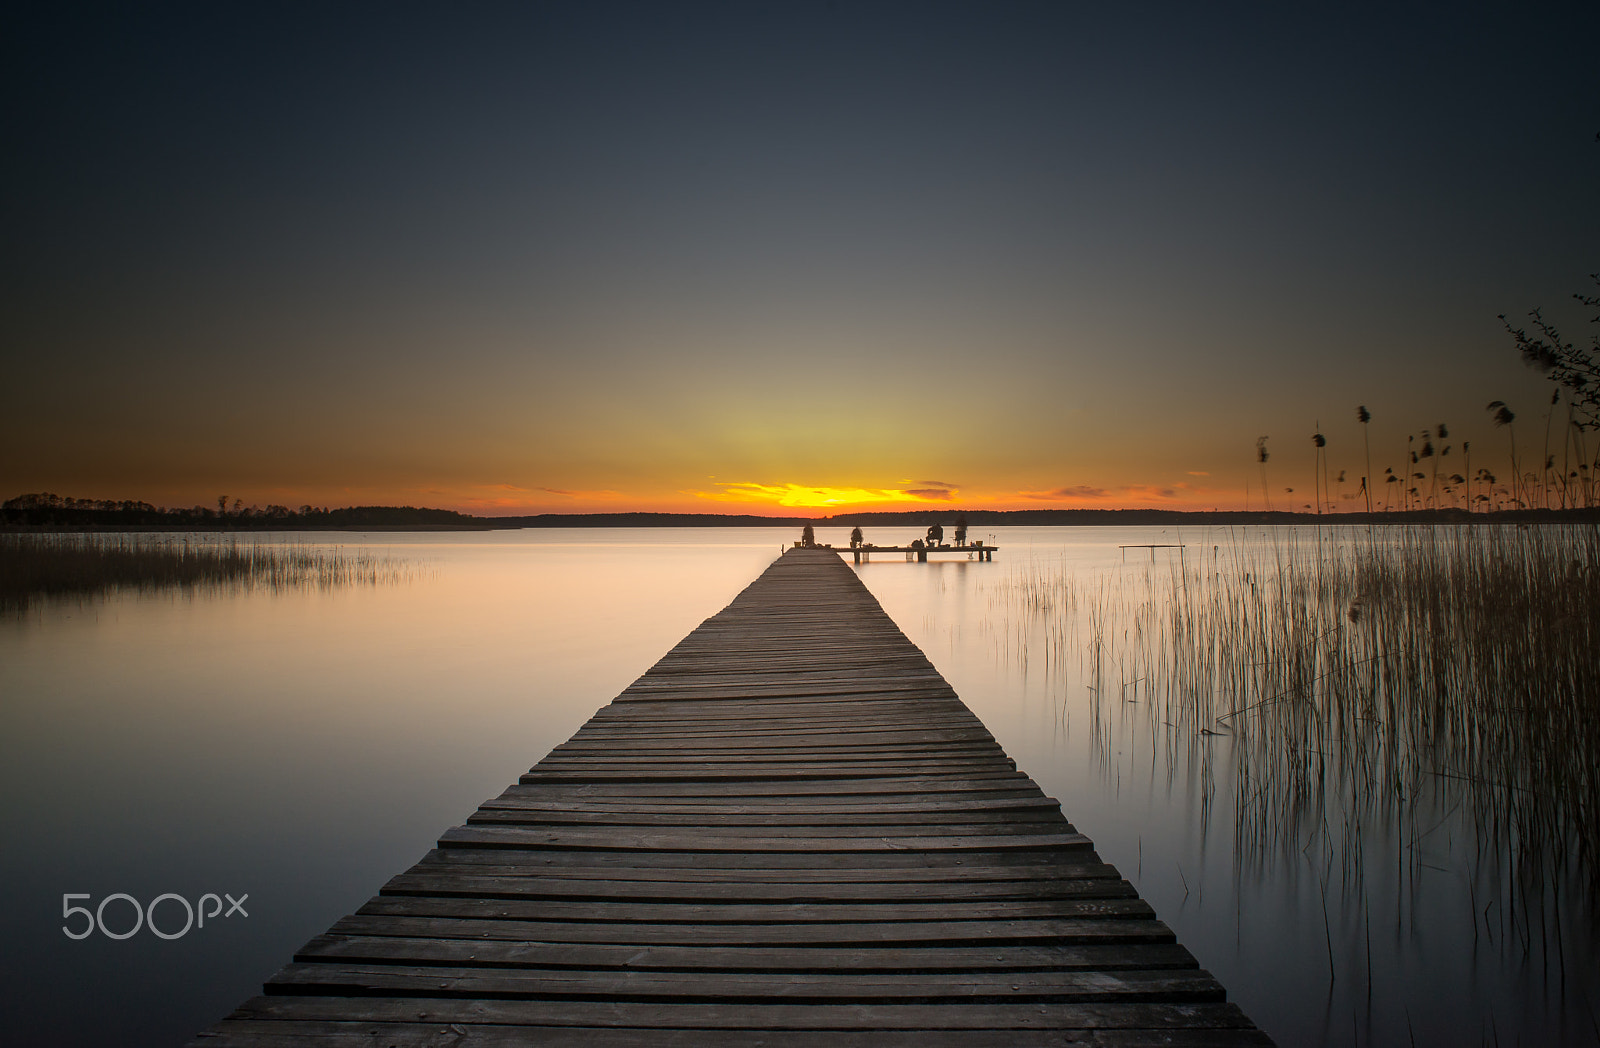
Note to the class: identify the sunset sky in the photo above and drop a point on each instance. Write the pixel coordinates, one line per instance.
(759, 257)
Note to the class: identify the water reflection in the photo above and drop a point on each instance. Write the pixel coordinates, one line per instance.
(38, 567)
(305, 745)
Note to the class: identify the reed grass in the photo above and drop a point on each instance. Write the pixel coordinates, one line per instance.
(42, 566)
(1356, 669)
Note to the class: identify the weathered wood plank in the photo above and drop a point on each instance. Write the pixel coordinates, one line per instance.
(1028, 1016)
(775, 826)
(502, 886)
(1115, 904)
(686, 840)
(290, 1033)
(496, 863)
(345, 978)
(747, 749)
(841, 733)
(1071, 931)
(823, 822)
(960, 785)
(496, 953)
(785, 807)
(617, 771)
(842, 864)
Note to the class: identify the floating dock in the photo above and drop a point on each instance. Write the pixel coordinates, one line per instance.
(973, 550)
(790, 831)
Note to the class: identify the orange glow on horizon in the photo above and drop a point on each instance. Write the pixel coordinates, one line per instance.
(802, 496)
(728, 497)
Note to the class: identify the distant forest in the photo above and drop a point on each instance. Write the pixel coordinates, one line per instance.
(47, 510)
(50, 511)
(978, 518)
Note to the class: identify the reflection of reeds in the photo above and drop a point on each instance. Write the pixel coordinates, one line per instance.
(40, 566)
(1358, 670)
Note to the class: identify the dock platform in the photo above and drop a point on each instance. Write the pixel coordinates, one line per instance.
(789, 831)
(975, 549)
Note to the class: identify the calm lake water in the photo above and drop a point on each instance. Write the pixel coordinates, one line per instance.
(301, 747)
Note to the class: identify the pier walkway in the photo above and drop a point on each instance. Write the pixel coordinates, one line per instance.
(790, 831)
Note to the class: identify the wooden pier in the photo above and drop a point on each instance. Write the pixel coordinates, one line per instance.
(790, 831)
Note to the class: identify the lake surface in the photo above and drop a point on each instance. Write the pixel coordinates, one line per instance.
(301, 747)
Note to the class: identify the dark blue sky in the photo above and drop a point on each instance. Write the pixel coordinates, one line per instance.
(568, 256)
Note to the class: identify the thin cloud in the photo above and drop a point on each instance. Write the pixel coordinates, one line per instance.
(504, 496)
(604, 493)
(1082, 491)
(1089, 493)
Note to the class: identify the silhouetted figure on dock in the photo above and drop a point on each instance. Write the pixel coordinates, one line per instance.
(935, 535)
(808, 536)
(961, 531)
(856, 538)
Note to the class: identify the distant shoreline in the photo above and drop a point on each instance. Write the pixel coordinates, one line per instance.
(409, 519)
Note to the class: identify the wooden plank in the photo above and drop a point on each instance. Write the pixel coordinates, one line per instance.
(576, 866)
(691, 748)
(700, 753)
(1021, 1016)
(618, 770)
(876, 826)
(947, 863)
(782, 807)
(501, 886)
(394, 980)
(1060, 931)
(291, 1033)
(842, 732)
(961, 784)
(780, 694)
(683, 839)
(760, 916)
(496, 953)
(824, 822)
